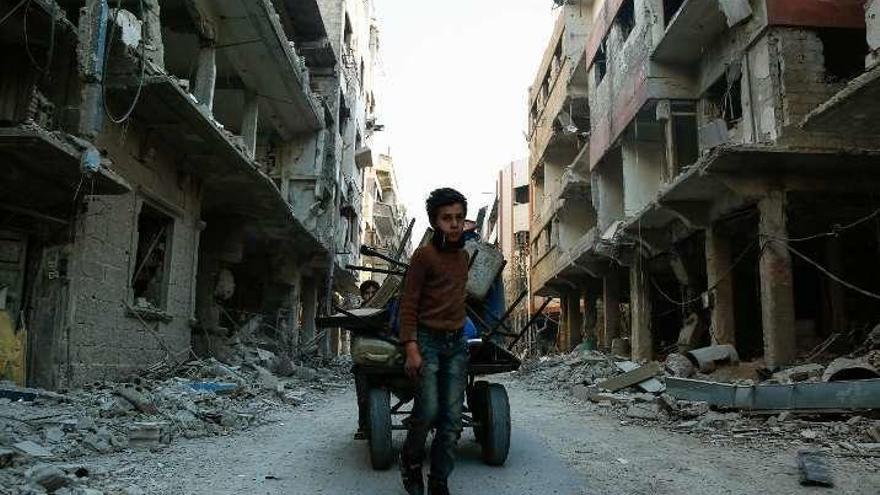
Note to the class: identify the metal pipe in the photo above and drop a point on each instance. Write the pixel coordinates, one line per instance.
(531, 322)
(371, 269)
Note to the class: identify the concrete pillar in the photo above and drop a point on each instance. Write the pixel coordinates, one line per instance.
(575, 320)
(250, 122)
(777, 289)
(309, 312)
(294, 309)
(206, 75)
(836, 294)
(611, 308)
(562, 334)
(719, 276)
(153, 34)
(641, 338)
(589, 326)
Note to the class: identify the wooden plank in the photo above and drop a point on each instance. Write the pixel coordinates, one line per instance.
(631, 378)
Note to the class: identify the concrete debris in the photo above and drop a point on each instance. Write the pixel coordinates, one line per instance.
(801, 373)
(42, 433)
(678, 365)
(32, 449)
(51, 478)
(814, 468)
(707, 359)
(587, 374)
(849, 369)
(629, 378)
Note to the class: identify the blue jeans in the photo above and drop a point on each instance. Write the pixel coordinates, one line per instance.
(438, 402)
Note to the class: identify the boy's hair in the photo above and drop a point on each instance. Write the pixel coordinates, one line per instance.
(444, 196)
(369, 283)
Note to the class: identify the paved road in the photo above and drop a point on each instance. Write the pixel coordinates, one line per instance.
(557, 448)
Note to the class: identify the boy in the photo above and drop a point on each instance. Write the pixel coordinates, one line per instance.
(432, 316)
(368, 290)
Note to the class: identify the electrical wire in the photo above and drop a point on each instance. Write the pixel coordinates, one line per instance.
(726, 274)
(827, 272)
(14, 9)
(835, 229)
(50, 53)
(125, 116)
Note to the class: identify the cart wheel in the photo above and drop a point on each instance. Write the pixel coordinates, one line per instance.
(496, 430)
(381, 453)
(477, 404)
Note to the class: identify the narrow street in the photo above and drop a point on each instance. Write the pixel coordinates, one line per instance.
(557, 448)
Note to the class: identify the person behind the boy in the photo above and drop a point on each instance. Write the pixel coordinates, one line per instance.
(432, 316)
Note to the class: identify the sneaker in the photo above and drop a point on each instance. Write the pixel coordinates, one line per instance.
(411, 475)
(437, 486)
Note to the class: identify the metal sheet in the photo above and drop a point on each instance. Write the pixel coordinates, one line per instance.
(856, 394)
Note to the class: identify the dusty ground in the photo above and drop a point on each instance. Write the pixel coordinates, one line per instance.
(557, 448)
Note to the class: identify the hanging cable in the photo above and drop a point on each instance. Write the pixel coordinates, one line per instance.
(825, 271)
(143, 74)
(14, 9)
(726, 274)
(50, 53)
(835, 229)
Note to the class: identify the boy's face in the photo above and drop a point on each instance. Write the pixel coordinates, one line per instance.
(368, 292)
(450, 221)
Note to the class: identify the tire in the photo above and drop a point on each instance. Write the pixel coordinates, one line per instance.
(496, 435)
(477, 406)
(381, 452)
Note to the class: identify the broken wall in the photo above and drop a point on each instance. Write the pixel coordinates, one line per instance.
(872, 22)
(105, 339)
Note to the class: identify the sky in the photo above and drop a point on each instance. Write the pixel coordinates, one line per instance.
(456, 78)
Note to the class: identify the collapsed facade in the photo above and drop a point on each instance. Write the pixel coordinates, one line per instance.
(174, 171)
(386, 225)
(692, 185)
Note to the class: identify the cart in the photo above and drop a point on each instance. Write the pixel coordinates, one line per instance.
(389, 392)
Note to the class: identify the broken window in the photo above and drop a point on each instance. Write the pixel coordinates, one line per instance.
(844, 52)
(724, 99)
(626, 18)
(601, 62)
(682, 136)
(670, 8)
(521, 195)
(150, 277)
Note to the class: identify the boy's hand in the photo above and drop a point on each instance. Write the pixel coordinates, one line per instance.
(413, 365)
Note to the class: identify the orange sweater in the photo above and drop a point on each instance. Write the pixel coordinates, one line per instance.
(434, 291)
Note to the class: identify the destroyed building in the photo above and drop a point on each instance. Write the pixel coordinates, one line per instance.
(704, 172)
(174, 170)
(385, 221)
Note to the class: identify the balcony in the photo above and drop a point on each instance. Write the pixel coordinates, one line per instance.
(256, 45)
(562, 266)
(233, 182)
(42, 170)
(696, 25)
(853, 110)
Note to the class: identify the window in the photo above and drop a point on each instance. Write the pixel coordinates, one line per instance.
(844, 52)
(521, 195)
(626, 18)
(725, 100)
(601, 62)
(150, 278)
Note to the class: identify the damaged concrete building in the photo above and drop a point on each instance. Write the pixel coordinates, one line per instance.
(706, 172)
(174, 170)
(385, 222)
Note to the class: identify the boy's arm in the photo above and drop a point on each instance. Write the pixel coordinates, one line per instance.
(409, 300)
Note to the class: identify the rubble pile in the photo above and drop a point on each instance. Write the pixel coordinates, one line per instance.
(46, 436)
(663, 394)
